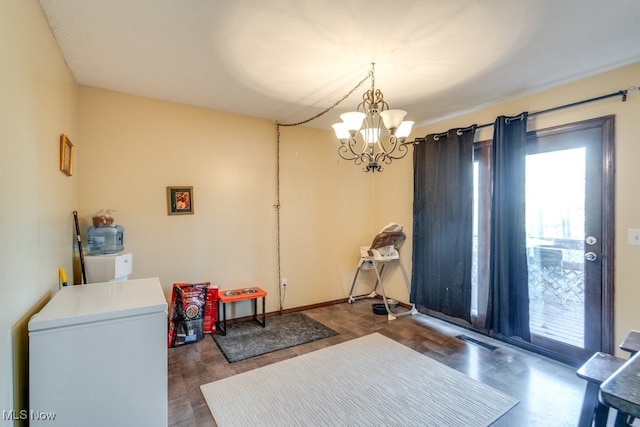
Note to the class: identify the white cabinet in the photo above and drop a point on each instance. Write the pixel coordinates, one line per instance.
(98, 356)
(108, 268)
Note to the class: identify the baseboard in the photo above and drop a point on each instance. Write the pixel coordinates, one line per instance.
(290, 310)
(308, 307)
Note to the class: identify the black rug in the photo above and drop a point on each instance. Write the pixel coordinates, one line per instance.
(249, 339)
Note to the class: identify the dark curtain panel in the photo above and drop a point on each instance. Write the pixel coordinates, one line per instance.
(508, 311)
(442, 223)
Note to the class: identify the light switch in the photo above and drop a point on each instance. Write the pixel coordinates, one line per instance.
(634, 236)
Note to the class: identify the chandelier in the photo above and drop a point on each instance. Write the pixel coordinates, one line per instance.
(373, 135)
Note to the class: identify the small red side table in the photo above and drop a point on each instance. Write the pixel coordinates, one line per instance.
(240, 294)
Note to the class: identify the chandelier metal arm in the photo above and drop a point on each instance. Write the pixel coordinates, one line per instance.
(347, 152)
(397, 148)
(372, 102)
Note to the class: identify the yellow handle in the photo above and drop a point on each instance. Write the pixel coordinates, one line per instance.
(63, 276)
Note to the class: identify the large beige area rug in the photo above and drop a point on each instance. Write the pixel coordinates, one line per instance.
(368, 381)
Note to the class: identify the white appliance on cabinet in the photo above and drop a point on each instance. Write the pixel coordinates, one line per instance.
(108, 268)
(98, 356)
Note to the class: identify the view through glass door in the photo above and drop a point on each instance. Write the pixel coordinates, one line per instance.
(555, 217)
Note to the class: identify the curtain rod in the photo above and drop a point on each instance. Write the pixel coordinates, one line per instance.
(622, 93)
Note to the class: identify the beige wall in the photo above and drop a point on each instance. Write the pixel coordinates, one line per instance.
(396, 185)
(132, 148)
(327, 214)
(128, 149)
(38, 103)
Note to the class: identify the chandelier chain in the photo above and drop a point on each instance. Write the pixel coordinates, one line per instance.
(370, 75)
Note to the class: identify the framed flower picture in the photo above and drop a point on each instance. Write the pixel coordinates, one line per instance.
(179, 200)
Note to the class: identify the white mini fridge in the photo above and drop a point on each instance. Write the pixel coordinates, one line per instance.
(98, 356)
(108, 268)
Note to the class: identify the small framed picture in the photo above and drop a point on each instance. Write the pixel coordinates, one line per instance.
(66, 155)
(180, 200)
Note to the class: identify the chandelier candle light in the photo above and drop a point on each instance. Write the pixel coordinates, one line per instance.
(373, 135)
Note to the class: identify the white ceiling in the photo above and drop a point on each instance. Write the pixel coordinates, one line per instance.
(287, 60)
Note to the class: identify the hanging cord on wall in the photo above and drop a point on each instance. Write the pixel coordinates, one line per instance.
(281, 290)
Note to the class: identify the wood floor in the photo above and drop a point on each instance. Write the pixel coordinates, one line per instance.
(549, 393)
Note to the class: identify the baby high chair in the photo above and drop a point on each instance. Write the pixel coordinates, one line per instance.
(383, 250)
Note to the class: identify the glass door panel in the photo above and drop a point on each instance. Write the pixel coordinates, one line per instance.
(555, 224)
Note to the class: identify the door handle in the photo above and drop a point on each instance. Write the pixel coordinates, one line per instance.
(590, 256)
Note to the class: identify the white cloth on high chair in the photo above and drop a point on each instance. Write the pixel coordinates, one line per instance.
(385, 243)
(383, 249)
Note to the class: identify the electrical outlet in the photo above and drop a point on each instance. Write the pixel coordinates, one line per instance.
(283, 282)
(634, 236)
